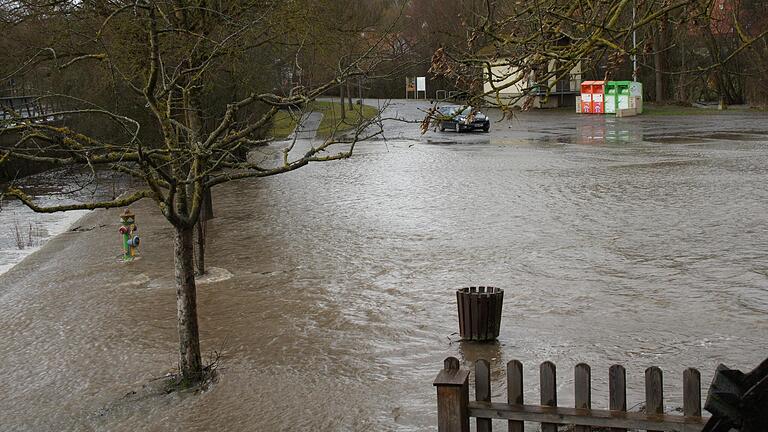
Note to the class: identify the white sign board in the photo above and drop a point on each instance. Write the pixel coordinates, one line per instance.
(421, 84)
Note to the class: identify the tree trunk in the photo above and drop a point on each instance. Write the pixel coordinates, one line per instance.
(190, 364)
(206, 211)
(349, 96)
(200, 247)
(341, 96)
(206, 214)
(658, 65)
(715, 55)
(360, 90)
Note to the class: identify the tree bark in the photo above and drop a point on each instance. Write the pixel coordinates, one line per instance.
(200, 247)
(658, 65)
(715, 55)
(360, 90)
(190, 364)
(206, 213)
(341, 96)
(349, 96)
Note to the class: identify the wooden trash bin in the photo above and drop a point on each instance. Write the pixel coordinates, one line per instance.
(479, 312)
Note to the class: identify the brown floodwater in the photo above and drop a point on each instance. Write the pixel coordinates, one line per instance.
(639, 241)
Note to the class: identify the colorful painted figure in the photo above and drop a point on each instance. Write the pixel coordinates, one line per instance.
(130, 237)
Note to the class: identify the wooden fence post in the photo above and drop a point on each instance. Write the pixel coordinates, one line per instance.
(691, 393)
(654, 391)
(452, 397)
(583, 391)
(617, 391)
(548, 381)
(483, 391)
(515, 391)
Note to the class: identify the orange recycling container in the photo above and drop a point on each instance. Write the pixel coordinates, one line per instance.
(592, 97)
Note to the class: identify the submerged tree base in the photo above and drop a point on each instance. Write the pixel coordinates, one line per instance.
(158, 391)
(176, 382)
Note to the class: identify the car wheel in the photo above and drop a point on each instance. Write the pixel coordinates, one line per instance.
(486, 128)
(442, 127)
(457, 128)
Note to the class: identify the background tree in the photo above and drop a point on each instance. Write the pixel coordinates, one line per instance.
(171, 93)
(686, 44)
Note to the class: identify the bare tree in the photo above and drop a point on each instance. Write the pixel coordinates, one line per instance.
(179, 128)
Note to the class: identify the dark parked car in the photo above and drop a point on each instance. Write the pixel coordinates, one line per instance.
(460, 118)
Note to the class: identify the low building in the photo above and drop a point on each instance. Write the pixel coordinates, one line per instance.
(506, 84)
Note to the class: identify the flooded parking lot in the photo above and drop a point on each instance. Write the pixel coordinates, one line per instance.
(640, 241)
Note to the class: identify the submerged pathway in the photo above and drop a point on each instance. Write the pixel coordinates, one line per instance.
(308, 126)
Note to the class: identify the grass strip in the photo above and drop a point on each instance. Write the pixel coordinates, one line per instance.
(285, 121)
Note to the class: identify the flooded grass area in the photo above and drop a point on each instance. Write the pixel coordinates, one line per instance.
(612, 247)
(23, 231)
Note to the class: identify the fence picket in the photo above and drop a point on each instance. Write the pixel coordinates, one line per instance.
(582, 376)
(617, 391)
(455, 409)
(483, 391)
(515, 392)
(482, 321)
(548, 382)
(692, 393)
(654, 391)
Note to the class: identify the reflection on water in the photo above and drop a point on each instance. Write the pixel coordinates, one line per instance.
(341, 306)
(599, 130)
(471, 351)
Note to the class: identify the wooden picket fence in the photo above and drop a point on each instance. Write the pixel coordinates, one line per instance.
(454, 408)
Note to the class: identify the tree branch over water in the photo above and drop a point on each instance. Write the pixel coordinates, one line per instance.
(194, 88)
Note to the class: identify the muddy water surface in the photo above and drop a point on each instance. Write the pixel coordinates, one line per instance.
(642, 242)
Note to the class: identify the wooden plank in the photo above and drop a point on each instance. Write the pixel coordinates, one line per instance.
(491, 326)
(460, 305)
(548, 383)
(654, 392)
(482, 319)
(617, 391)
(582, 376)
(692, 393)
(474, 314)
(468, 315)
(594, 417)
(483, 391)
(499, 309)
(515, 392)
